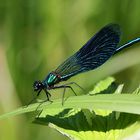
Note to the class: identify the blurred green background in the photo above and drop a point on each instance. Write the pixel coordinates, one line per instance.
(37, 35)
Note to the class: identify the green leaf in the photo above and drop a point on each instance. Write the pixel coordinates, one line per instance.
(129, 103)
(102, 85)
(91, 116)
(137, 91)
(85, 124)
(119, 89)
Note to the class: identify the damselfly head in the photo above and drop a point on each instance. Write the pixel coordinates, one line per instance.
(37, 85)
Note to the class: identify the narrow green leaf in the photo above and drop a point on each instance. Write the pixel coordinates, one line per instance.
(137, 91)
(119, 89)
(129, 103)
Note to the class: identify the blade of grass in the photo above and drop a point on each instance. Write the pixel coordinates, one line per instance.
(129, 103)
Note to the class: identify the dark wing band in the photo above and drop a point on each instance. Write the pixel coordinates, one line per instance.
(93, 54)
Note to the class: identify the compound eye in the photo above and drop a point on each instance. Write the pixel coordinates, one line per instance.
(36, 85)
